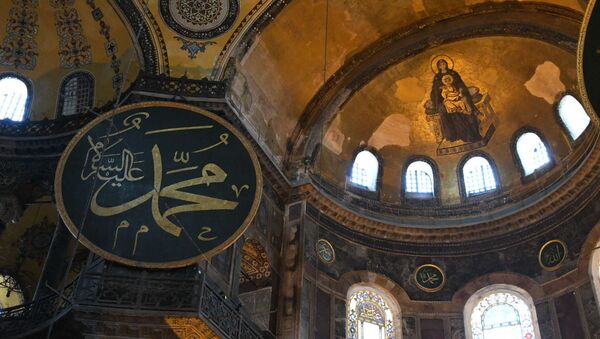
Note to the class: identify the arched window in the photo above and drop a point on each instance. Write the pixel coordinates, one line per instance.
(10, 292)
(532, 152)
(419, 178)
(365, 170)
(14, 96)
(500, 312)
(573, 115)
(370, 315)
(478, 176)
(76, 94)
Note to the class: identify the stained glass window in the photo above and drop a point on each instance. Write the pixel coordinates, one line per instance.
(478, 176)
(419, 178)
(13, 98)
(573, 115)
(532, 152)
(369, 317)
(76, 94)
(502, 315)
(365, 170)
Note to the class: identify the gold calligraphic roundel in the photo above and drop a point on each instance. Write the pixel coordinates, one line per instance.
(158, 185)
(430, 278)
(552, 254)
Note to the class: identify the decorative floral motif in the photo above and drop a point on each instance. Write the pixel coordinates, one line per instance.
(74, 49)
(193, 47)
(199, 19)
(110, 46)
(34, 244)
(19, 48)
(199, 12)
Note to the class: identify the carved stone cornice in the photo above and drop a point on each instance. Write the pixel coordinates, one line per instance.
(552, 24)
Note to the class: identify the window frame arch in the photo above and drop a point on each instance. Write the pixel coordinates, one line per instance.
(357, 189)
(21, 293)
(561, 122)
(29, 101)
(484, 292)
(421, 197)
(63, 84)
(538, 172)
(462, 184)
(390, 301)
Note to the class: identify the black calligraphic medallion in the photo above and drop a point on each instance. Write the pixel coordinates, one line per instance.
(430, 278)
(158, 185)
(325, 251)
(552, 254)
(588, 58)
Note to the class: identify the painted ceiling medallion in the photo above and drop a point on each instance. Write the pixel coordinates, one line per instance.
(325, 251)
(199, 19)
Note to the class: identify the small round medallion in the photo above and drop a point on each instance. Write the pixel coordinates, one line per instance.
(325, 251)
(552, 254)
(430, 278)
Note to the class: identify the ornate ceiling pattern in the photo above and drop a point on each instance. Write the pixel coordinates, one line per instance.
(255, 263)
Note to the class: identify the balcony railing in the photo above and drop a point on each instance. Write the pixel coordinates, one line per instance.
(134, 290)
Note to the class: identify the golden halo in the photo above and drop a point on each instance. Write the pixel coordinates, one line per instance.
(437, 58)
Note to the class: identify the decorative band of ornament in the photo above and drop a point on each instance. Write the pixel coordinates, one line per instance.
(110, 46)
(73, 47)
(152, 200)
(199, 19)
(19, 48)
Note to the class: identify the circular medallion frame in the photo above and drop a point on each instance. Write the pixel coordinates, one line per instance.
(326, 244)
(225, 25)
(545, 246)
(429, 267)
(58, 185)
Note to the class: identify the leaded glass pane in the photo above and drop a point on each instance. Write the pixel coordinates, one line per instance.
(419, 178)
(532, 152)
(365, 170)
(573, 115)
(478, 176)
(13, 98)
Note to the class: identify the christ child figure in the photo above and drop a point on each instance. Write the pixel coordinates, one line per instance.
(454, 99)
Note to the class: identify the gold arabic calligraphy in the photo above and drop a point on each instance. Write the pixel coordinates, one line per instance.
(115, 168)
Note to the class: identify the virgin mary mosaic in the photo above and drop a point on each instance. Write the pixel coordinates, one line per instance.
(461, 116)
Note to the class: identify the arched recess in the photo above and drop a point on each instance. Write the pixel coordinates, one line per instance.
(368, 160)
(371, 311)
(499, 311)
(256, 282)
(552, 24)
